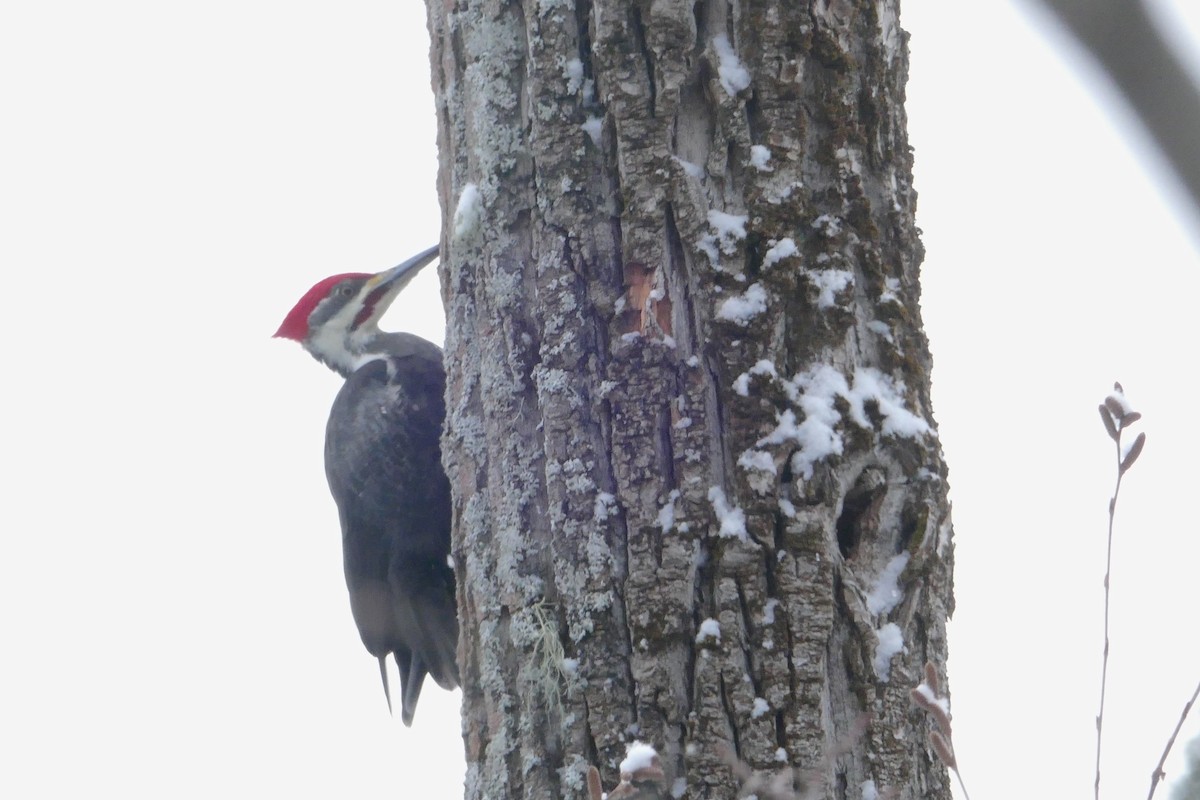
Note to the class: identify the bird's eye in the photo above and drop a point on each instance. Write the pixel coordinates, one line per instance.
(345, 291)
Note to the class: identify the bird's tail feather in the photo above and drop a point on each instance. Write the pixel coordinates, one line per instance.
(441, 636)
(411, 689)
(387, 692)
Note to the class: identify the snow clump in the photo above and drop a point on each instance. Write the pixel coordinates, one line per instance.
(593, 127)
(732, 518)
(469, 212)
(760, 707)
(740, 309)
(815, 392)
(741, 384)
(830, 283)
(734, 77)
(638, 756)
(780, 250)
(760, 158)
(710, 629)
(891, 642)
(885, 594)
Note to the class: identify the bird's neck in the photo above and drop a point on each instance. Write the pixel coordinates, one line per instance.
(345, 354)
(399, 345)
(332, 349)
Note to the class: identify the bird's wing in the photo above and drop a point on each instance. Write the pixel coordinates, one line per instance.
(383, 461)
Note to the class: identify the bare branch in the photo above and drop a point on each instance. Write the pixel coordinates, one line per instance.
(1158, 773)
(1122, 37)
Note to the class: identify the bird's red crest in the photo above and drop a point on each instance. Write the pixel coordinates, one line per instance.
(295, 324)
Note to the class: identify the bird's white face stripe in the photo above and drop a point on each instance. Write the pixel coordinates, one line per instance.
(331, 342)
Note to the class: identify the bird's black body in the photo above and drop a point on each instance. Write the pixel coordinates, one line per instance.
(383, 462)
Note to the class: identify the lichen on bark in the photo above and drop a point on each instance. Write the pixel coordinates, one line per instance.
(686, 383)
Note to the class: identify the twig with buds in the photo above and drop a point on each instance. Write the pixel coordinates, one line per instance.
(928, 697)
(1117, 416)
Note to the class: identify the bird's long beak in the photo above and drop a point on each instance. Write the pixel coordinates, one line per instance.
(381, 289)
(398, 276)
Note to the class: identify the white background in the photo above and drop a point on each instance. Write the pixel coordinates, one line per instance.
(173, 618)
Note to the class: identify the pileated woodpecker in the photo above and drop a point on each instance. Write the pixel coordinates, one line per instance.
(383, 463)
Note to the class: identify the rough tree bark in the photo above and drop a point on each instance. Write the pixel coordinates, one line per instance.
(689, 429)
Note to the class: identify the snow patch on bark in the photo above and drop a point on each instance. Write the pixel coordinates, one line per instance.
(573, 73)
(710, 630)
(885, 594)
(780, 250)
(469, 212)
(760, 466)
(638, 756)
(768, 617)
(728, 229)
(827, 224)
(890, 641)
(666, 514)
(760, 158)
(604, 507)
(689, 169)
(742, 308)
(593, 127)
(731, 518)
(871, 384)
(815, 392)
(829, 283)
(881, 329)
(741, 384)
(733, 76)
(891, 291)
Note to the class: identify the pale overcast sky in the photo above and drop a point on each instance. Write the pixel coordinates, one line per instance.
(174, 176)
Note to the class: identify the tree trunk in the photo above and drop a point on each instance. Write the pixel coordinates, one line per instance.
(698, 497)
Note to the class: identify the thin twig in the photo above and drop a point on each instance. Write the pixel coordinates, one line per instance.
(1116, 415)
(1158, 773)
(961, 785)
(1112, 509)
